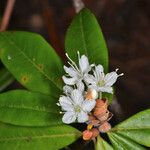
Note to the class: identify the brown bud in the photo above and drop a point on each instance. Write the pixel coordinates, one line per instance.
(105, 127)
(98, 111)
(104, 117)
(95, 132)
(91, 94)
(101, 103)
(87, 135)
(110, 116)
(91, 117)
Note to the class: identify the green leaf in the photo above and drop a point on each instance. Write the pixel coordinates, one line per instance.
(39, 138)
(5, 78)
(85, 35)
(102, 144)
(108, 96)
(136, 128)
(25, 108)
(32, 61)
(122, 143)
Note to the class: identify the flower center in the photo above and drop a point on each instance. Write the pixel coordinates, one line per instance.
(77, 108)
(101, 83)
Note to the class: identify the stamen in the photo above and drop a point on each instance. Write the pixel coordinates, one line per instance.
(121, 74)
(61, 112)
(89, 127)
(57, 104)
(78, 54)
(92, 65)
(73, 63)
(117, 69)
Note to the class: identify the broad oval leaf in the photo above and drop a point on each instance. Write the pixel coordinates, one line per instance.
(101, 144)
(85, 35)
(32, 61)
(38, 138)
(25, 108)
(122, 143)
(136, 128)
(5, 78)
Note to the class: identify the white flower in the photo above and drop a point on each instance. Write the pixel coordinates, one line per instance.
(74, 72)
(68, 89)
(75, 107)
(101, 82)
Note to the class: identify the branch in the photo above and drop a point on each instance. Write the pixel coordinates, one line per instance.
(78, 5)
(7, 14)
(48, 16)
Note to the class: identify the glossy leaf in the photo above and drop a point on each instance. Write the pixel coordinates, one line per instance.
(25, 108)
(101, 144)
(122, 143)
(39, 138)
(32, 61)
(5, 78)
(108, 96)
(136, 128)
(84, 35)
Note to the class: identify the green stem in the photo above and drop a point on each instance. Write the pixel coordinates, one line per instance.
(100, 95)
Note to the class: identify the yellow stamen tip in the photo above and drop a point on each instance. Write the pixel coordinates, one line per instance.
(89, 127)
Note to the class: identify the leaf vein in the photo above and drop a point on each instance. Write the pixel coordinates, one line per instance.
(30, 60)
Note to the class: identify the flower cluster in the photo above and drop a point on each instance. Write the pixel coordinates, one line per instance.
(82, 100)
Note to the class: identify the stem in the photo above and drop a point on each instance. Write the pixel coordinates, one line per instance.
(100, 95)
(7, 14)
(78, 5)
(49, 20)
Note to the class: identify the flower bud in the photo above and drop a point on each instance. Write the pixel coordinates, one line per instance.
(87, 135)
(91, 117)
(101, 103)
(93, 121)
(105, 127)
(95, 132)
(104, 117)
(91, 94)
(100, 111)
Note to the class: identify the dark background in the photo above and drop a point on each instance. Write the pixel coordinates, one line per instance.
(125, 25)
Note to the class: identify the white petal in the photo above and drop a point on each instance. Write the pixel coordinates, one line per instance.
(82, 117)
(67, 89)
(69, 81)
(88, 105)
(110, 78)
(77, 97)
(66, 103)
(72, 72)
(89, 79)
(69, 117)
(99, 69)
(80, 86)
(84, 64)
(107, 89)
(93, 86)
(98, 73)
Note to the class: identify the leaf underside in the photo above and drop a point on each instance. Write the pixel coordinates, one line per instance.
(101, 144)
(132, 132)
